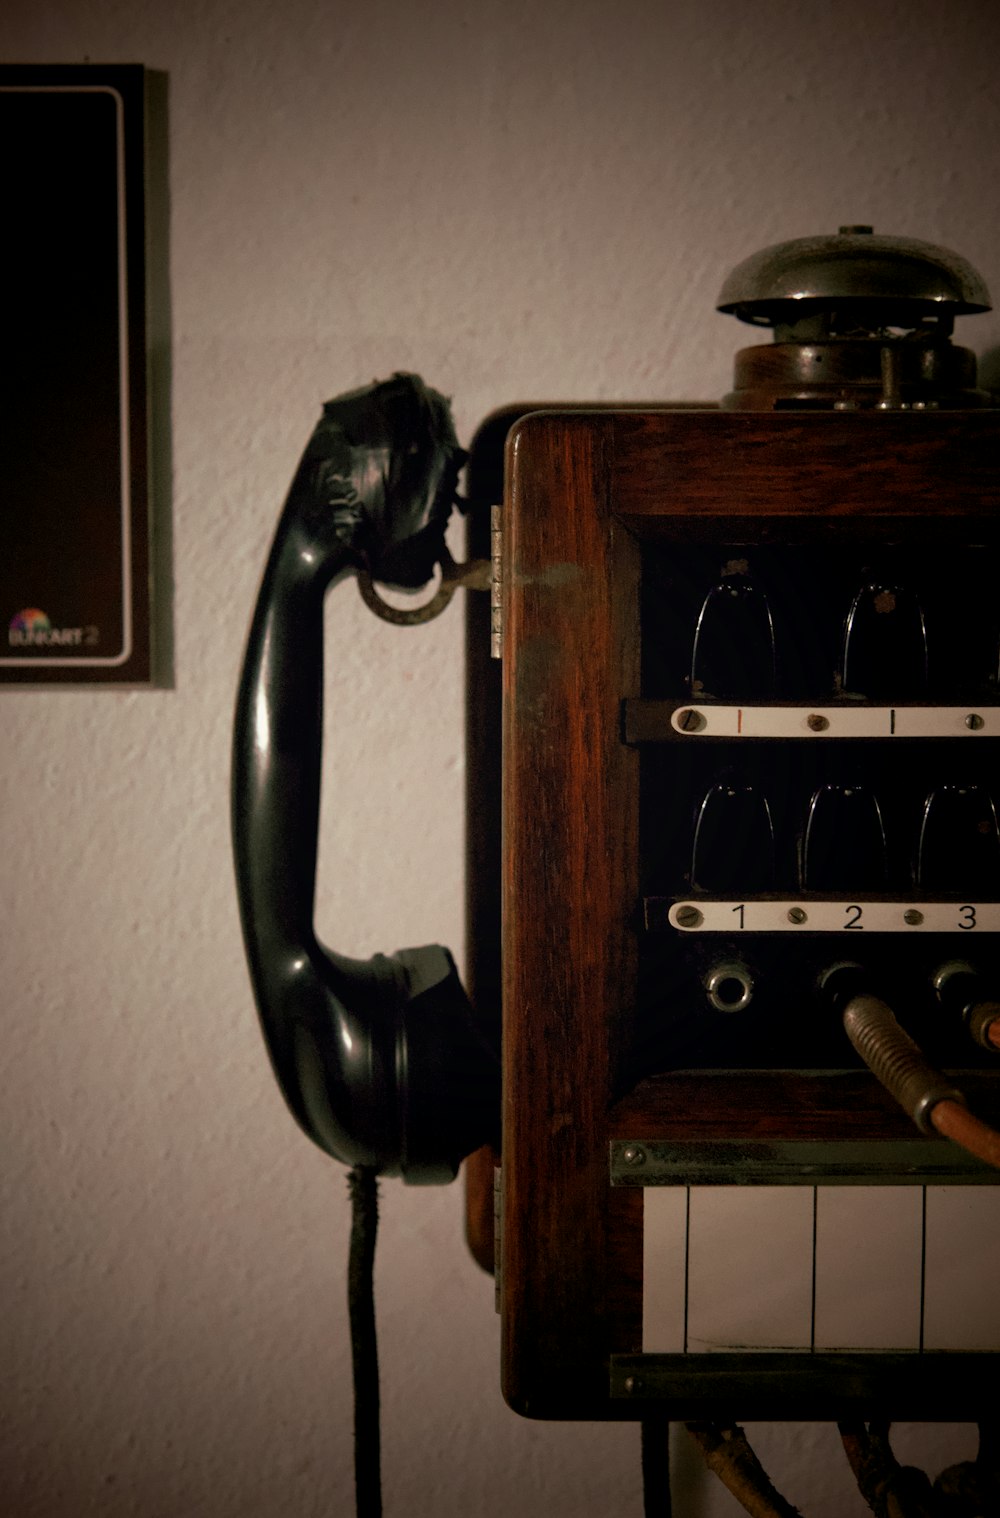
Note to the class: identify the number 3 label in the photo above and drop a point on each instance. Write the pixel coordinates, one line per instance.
(968, 918)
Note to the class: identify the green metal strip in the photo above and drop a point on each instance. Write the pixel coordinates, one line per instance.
(916, 1162)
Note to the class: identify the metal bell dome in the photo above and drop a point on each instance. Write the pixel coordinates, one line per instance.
(910, 278)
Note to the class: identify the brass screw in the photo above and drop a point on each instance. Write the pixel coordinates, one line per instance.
(797, 914)
(913, 917)
(817, 723)
(633, 1384)
(689, 917)
(690, 721)
(632, 1154)
(975, 721)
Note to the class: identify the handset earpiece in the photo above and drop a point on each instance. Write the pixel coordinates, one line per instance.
(382, 1062)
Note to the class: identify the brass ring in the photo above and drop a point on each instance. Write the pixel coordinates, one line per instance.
(407, 616)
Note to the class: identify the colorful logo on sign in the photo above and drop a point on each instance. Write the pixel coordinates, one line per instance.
(31, 620)
(31, 628)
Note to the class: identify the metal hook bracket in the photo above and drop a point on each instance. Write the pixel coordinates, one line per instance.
(475, 574)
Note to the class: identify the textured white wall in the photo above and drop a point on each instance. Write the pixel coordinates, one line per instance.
(513, 199)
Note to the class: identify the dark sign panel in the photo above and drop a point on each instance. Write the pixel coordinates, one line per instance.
(74, 533)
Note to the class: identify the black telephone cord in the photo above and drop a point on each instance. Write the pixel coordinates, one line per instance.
(655, 1446)
(363, 1186)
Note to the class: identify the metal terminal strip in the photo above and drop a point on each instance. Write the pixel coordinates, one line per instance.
(746, 1162)
(805, 916)
(709, 1383)
(835, 721)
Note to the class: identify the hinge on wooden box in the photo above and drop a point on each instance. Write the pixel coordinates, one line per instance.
(497, 1235)
(496, 582)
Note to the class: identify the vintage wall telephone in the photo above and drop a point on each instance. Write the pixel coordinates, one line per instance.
(749, 737)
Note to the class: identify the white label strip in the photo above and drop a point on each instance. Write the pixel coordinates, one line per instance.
(664, 1269)
(835, 917)
(961, 1305)
(869, 1267)
(836, 721)
(749, 1268)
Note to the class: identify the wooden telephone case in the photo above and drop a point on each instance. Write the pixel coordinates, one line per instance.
(605, 513)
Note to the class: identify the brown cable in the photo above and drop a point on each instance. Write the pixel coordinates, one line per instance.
(931, 1098)
(728, 1453)
(853, 1436)
(891, 1490)
(955, 1122)
(972, 1487)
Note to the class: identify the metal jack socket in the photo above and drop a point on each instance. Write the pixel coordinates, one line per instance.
(960, 990)
(729, 986)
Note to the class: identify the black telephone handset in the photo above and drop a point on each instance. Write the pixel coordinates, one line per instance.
(382, 1061)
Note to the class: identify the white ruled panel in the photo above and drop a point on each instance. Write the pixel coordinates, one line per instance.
(961, 1302)
(869, 1272)
(896, 1268)
(750, 1268)
(664, 1269)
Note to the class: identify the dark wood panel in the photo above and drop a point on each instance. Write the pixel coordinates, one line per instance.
(484, 488)
(868, 466)
(570, 792)
(699, 1106)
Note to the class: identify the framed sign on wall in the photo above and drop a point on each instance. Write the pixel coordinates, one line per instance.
(74, 505)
